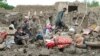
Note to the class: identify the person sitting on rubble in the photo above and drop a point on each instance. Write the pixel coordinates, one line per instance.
(59, 23)
(39, 35)
(47, 33)
(26, 27)
(10, 38)
(21, 37)
(39, 39)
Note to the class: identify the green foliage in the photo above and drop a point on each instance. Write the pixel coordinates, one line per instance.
(93, 4)
(1, 0)
(5, 5)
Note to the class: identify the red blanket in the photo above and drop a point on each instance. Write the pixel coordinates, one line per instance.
(50, 44)
(60, 41)
(3, 35)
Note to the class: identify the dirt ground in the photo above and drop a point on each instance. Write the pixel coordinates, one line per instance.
(32, 50)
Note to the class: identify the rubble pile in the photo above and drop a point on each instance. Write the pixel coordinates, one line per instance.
(80, 38)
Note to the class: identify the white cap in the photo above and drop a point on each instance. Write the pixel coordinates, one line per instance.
(12, 26)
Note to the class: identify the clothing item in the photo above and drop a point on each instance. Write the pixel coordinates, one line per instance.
(12, 26)
(39, 36)
(10, 41)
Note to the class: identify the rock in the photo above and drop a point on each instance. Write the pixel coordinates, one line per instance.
(19, 55)
(31, 46)
(51, 51)
(54, 55)
(79, 51)
(29, 54)
(95, 34)
(1, 55)
(24, 51)
(44, 52)
(97, 54)
(84, 50)
(15, 50)
(21, 49)
(71, 50)
(84, 55)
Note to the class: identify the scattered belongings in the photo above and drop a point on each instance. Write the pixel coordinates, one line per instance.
(97, 29)
(93, 26)
(72, 29)
(86, 31)
(2, 46)
(79, 40)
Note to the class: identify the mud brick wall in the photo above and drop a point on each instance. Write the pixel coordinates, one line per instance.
(58, 6)
(33, 8)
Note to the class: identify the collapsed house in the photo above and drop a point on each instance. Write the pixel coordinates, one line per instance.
(52, 9)
(75, 6)
(74, 10)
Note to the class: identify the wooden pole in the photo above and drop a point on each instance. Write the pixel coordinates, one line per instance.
(80, 25)
(76, 20)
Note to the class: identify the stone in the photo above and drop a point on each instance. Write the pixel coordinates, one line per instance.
(1, 54)
(29, 54)
(21, 49)
(31, 46)
(79, 51)
(70, 50)
(44, 52)
(15, 50)
(84, 50)
(24, 51)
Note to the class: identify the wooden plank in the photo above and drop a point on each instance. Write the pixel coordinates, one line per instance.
(93, 44)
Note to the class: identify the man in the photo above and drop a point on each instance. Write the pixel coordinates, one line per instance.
(33, 26)
(26, 27)
(10, 37)
(58, 21)
(21, 37)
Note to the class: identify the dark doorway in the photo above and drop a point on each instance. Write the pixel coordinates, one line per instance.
(72, 8)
